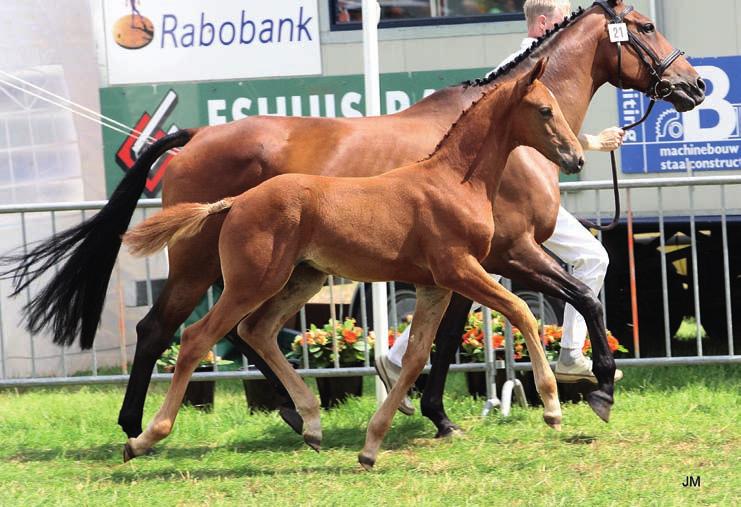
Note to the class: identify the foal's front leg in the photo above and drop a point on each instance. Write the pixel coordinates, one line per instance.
(471, 280)
(430, 307)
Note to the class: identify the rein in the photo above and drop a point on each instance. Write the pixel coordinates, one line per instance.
(659, 89)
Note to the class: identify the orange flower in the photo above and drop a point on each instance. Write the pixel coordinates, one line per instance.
(349, 336)
(587, 346)
(612, 343)
(497, 341)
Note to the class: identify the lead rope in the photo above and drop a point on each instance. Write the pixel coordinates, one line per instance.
(616, 191)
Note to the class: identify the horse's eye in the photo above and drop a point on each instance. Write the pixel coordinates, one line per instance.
(648, 28)
(546, 112)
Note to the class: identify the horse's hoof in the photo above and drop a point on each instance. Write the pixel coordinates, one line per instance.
(452, 430)
(554, 421)
(601, 403)
(292, 418)
(313, 442)
(366, 462)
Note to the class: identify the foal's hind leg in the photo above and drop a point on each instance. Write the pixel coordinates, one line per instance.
(471, 280)
(190, 276)
(259, 329)
(431, 304)
(196, 341)
(535, 269)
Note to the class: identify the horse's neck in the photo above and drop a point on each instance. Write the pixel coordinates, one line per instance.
(575, 71)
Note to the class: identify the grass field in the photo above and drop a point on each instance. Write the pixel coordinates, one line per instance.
(62, 447)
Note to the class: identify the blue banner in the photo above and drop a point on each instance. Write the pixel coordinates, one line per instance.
(708, 138)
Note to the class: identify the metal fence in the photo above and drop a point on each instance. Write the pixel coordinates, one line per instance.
(659, 214)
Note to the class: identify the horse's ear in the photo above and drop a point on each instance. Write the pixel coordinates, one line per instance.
(615, 3)
(538, 70)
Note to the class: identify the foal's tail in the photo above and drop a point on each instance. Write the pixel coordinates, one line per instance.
(170, 225)
(73, 299)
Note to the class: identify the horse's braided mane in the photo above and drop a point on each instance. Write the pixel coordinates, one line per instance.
(507, 68)
(504, 70)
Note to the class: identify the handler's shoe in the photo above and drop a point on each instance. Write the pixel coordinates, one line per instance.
(580, 370)
(389, 375)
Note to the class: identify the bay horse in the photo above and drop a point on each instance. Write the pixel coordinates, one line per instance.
(225, 160)
(435, 241)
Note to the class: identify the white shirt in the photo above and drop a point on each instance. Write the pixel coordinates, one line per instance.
(524, 46)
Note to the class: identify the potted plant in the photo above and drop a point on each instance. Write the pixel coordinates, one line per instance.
(321, 350)
(198, 394)
(472, 350)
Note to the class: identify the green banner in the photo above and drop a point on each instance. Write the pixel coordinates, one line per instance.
(159, 109)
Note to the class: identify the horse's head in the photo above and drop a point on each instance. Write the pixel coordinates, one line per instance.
(536, 120)
(649, 63)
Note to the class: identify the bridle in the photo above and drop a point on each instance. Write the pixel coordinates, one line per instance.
(659, 88)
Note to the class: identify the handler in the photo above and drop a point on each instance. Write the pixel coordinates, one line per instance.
(570, 241)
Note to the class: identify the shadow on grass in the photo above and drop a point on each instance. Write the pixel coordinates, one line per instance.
(275, 438)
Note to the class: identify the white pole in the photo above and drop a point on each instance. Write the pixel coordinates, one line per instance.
(371, 16)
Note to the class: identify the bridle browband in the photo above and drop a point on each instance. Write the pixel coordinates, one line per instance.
(659, 88)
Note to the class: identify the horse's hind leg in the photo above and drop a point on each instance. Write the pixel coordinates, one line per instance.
(431, 304)
(471, 280)
(534, 268)
(259, 330)
(185, 286)
(446, 344)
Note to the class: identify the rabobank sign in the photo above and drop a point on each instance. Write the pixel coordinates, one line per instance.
(155, 41)
(708, 138)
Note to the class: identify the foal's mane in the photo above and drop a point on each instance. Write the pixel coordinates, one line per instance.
(505, 70)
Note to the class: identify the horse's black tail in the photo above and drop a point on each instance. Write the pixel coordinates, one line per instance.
(72, 301)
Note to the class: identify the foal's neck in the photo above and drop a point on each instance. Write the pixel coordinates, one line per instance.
(476, 148)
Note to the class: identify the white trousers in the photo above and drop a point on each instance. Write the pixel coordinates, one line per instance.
(574, 245)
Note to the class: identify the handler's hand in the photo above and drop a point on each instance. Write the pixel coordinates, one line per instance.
(610, 139)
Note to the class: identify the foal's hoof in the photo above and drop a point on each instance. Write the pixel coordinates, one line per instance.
(449, 431)
(554, 421)
(292, 418)
(314, 442)
(366, 462)
(128, 453)
(601, 403)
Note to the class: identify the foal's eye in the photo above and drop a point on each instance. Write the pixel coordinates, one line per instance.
(546, 112)
(648, 28)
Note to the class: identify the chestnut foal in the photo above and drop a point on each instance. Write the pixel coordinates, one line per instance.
(435, 241)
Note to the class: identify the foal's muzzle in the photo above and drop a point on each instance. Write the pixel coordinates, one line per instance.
(572, 163)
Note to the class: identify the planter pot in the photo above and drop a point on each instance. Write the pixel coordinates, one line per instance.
(262, 396)
(573, 393)
(200, 395)
(335, 390)
(476, 382)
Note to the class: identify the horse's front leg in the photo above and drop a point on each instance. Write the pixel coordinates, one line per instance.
(429, 310)
(447, 341)
(471, 280)
(534, 268)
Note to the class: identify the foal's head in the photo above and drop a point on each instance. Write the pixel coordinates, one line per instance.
(536, 120)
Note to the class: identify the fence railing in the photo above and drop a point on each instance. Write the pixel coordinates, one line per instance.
(658, 215)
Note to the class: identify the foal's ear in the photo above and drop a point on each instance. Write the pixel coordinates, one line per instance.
(538, 71)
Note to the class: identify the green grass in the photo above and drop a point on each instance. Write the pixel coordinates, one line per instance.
(63, 447)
